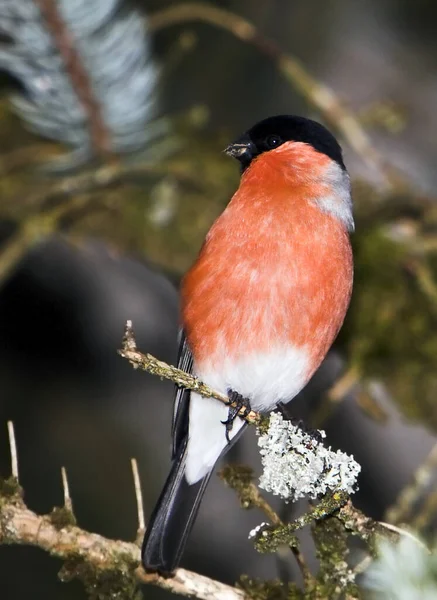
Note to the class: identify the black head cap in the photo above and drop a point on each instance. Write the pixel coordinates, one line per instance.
(274, 131)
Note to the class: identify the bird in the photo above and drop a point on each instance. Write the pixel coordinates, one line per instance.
(260, 307)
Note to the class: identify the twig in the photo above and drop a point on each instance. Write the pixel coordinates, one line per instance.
(68, 503)
(318, 95)
(364, 564)
(65, 43)
(365, 527)
(13, 449)
(403, 506)
(336, 394)
(152, 365)
(259, 501)
(404, 532)
(19, 525)
(343, 385)
(370, 399)
(240, 479)
(138, 496)
(193, 585)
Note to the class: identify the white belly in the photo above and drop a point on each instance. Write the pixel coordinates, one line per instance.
(265, 379)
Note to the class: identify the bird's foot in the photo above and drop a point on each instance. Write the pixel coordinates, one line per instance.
(239, 402)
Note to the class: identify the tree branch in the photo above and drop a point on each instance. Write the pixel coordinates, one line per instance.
(152, 365)
(139, 498)
(19, 525)
(109, 568)
(193, 585)
(240, 479)
(64, 41)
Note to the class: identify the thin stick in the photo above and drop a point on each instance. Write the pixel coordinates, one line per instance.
(271, 514)
(258, 500)
(138, 495)
(68, 503)
(405, 533)
(152, 365)
(336, 394)
(13, 448)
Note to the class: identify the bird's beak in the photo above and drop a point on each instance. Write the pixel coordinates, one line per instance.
(242, 149)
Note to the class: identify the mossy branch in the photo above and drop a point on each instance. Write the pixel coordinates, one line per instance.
(330, 536)
(110, 568)
(94, 558)
(107, 568)
(152, 365)
(241, 479)
(333, 519)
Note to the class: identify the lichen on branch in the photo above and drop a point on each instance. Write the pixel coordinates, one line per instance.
(297, 465)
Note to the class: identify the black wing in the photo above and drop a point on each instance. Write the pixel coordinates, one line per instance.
(182, 398)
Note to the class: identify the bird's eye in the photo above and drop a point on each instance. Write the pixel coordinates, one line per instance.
(273, 141)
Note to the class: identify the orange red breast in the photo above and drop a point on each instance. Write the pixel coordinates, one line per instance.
(275, 269)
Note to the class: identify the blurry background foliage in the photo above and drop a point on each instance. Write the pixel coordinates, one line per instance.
(111, 173)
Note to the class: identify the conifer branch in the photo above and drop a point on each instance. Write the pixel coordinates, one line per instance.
(64, 41)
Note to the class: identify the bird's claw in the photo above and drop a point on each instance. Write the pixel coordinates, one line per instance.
(240, 403)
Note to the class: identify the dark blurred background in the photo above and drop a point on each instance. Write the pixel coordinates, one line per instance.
(72, 273)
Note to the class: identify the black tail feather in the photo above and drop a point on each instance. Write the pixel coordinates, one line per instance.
(173, 518)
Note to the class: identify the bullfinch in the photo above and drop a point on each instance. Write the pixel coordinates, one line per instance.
(260, 307)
